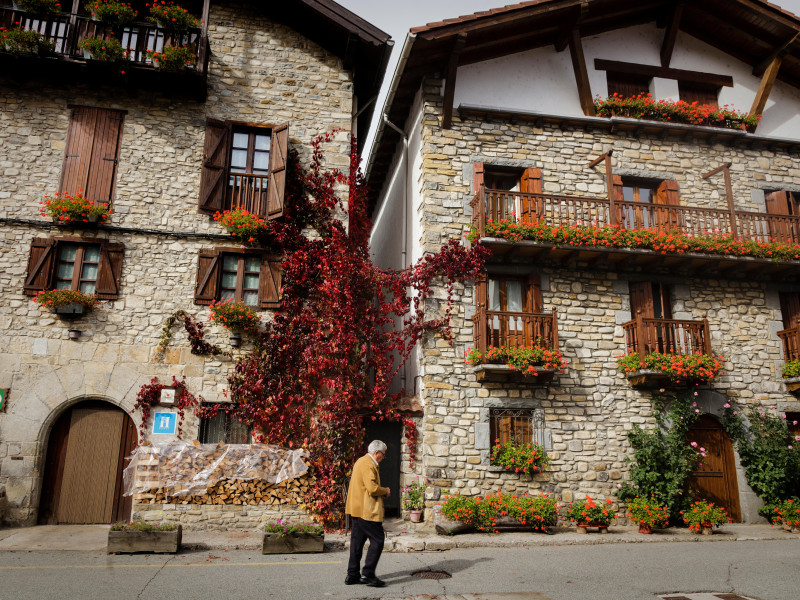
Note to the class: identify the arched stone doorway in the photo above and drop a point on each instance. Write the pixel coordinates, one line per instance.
(715, 480)
(86, 452)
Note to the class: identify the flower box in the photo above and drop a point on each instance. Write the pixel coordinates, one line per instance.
(793, 385)
(145, 541)
(292, 543)
(648, 379)
(490, 372)
(70, 310)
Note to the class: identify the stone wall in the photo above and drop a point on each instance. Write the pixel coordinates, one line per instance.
(589, 409)
(259, 72)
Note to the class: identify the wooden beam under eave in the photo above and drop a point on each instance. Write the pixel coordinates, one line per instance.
(450, 80)
(764, 89)
(581, 74)
(671, 34)
(759, 69)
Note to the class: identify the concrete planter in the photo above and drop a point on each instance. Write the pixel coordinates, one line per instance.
(145, 541)
(293, 543)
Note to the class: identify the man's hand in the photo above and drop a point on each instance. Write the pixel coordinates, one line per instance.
(388, 491)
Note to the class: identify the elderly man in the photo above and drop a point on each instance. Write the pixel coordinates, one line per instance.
(365, 506)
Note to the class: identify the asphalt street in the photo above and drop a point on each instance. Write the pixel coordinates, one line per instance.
(763, 570)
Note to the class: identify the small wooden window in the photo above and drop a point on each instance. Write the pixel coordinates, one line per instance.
(249, 277)
(77, 268)
(223, 428)
(626, 85)
(690, 92)
(240, 275)
(520, 426)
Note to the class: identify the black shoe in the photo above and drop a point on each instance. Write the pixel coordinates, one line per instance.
(373, 581)
(353, 580)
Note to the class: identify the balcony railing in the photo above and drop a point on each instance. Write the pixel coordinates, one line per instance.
(67, 31)
(515, 329)
(791, 343)
(249, 192)
(645, 335)
(557, 210)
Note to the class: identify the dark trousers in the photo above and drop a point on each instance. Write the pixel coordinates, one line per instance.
(361, 532)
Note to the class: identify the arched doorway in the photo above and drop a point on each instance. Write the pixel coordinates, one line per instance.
(86, 452)
(715, 480)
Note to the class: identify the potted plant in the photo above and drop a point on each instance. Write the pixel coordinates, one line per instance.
(171, 17)
(109, 50)
(173, 58)
(112, 13)
(703, 516)
(520, 458)
(788, 513)
(587, 513)
(648, 514)
(686, 369)
(21, 41)
(42, 9)
(791, 375)
(283, 537)
(414, 500)
(235, 317)
(139, 536)
(247, 228)
(66, 302)
(71, 209)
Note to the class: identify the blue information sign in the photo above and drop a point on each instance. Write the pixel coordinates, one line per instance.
(164, 422)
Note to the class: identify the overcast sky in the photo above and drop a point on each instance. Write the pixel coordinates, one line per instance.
(396, 17)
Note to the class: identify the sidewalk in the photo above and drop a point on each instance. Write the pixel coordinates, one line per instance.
(402, 536)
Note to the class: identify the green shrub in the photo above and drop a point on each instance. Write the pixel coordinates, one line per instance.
(588, 511)
(112, 12)
(284, 528)
(704, 512)
(536, 512)
(142, 526)
(648, 512)
(520, 458)
(791, 369)
(22, 41)
(173, 58)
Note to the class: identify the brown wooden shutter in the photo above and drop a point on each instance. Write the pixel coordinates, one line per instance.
(208, 272)
(777, 203)
(270, 282)
(109, 273)
(534, 293)
(641, 299)
(667, 195)
(478, 172)
(40, 265)
(214, 180)
(278, 154)
(790, 309)
(530, 183)
(616, 181)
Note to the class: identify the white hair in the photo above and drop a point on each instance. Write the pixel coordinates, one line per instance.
(376, 446)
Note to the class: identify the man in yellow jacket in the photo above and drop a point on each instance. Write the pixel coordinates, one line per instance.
(365, 506)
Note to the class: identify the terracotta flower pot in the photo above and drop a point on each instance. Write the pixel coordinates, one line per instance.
(645, 528)
(706, 528)
(415, 516)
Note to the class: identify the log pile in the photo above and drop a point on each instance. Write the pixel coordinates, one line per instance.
(237, 492)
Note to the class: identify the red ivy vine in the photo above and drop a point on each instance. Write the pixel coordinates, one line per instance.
(150, 394)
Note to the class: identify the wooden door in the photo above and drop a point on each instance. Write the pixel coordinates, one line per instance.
(715, 479)
(83, 471)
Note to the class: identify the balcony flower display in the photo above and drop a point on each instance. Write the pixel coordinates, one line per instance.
(70, 209)
(171, 17)
(524, 359)
(249, 229)
(109, 50)
(234, 316)
(644, 106)
(589, 513)
(54, 300)
(42, 9)
(520, 458)
(173, 58)
(112, 13)
(703, 515)
(20, 41)
(680, 368)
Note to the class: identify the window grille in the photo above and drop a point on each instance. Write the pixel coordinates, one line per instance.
(522, 426)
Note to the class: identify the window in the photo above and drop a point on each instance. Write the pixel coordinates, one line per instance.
(90, 266)
(510, 311)
(244, 276)
(701, 93)
(244, 165)
(222, 428)
(782, 204)
(521, 426)
(650, 299)
(498, 180)
(645, 202)
(627, 85)
(92, 152)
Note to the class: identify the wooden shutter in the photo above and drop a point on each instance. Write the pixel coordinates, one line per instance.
(40, 265)
(109, 273)
(270, 282)
(92, 151)
(777, 203)
(278, 154)
(208, 273)
(616, 181)
(790, 309)
(478, 172)
(641, 299)
(531, 183)
(534, 292)
(667, 195)
(214, 180)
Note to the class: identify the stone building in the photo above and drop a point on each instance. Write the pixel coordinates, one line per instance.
(492, 117)
(160, 146)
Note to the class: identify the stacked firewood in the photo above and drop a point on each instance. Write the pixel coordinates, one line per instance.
(235, 491)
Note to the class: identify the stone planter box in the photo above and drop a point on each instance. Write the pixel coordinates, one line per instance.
(489, 372)
(145, 541)
(294, 543)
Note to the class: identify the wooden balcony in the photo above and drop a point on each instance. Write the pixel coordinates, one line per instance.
(515, 329)
(248, 191)
(68, 62)
(644, 335)
(791, 343)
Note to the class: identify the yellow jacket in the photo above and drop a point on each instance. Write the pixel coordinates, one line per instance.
(365, 494)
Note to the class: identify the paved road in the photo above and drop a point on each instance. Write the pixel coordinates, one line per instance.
(762, 570)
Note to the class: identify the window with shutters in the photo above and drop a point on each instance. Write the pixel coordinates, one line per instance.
(222, 428)
(240, 275)
(90, 266)
(644, 203)
(690, 91)
(503, 186)
(783, 207)
(244, 166)
(626, 85)
(92, 153)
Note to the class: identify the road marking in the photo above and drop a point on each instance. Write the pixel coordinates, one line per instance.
(223, 564)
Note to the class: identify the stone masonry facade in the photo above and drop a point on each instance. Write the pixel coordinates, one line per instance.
(259, 72)
(589, 409)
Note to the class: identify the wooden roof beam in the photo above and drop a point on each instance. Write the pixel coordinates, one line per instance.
(450, 80)
(581, 74)
(759, 69)
(671, 34)
(562, 39)
(764, 89)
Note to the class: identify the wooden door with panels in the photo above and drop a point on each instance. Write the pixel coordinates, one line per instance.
(651, 300)
(715, 479)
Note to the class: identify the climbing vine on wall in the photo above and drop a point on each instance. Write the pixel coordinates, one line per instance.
(150, 394)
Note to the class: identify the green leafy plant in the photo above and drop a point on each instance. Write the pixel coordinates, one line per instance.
(791, 369)
(171, 17)
(112, 13)
(173, 58)
(536, 512)
(520, 358)
(520, 458)
(234, 316)
(414, 495)
(589, 512)
(648, 512)
(787, 512)
(53, 299)
(40, 8)
(22, 41)
(142, 526)
(109, 50)
(248, 228)
(644, 106)
(687, 368)
(285, 528)
(704, 514)
(65, 208)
